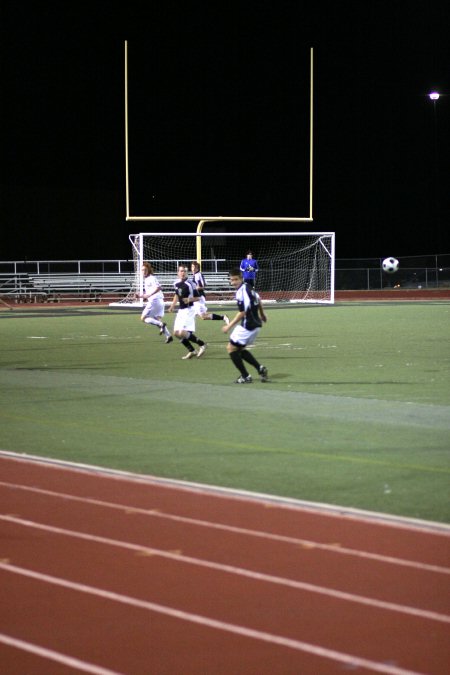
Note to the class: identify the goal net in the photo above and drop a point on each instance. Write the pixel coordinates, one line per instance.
(294, 267)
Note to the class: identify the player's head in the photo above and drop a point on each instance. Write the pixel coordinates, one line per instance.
(236, 279)
(195, 266)
(182, 272)
(147, 269)
(249, 254)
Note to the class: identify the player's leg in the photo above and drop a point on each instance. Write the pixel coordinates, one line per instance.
(216, 317)
(158, 312)
(234, 352)
(184, 325)
(235, 346)
(151, 311)
(192, 337)
(249, 358)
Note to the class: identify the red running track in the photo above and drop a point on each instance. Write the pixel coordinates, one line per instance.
(105, 572)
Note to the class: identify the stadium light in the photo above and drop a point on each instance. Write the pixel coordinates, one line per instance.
(434, 97)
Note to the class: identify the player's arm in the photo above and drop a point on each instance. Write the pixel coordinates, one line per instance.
(193, 294)
(262, 313)
(201, 283)
(174, 302)
(237, 319)
(147, 296)
(140, 295)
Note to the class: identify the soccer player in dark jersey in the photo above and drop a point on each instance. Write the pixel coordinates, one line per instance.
(184, 325)
(201, 309)
(245, 327)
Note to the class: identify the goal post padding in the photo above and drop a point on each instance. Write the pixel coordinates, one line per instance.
(294, 267)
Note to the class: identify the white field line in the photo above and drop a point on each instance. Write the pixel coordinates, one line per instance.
(347, 659)
(231, 569)
(51, 655)
(316, 508)
(306, 543)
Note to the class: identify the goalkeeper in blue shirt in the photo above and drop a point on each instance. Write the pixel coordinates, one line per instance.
(249, 268)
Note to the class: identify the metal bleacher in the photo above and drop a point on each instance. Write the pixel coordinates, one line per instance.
(80, 286)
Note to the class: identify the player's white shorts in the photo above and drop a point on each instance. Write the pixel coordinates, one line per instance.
(242, 336)
(185, 320)
(200, 307)
(153, 308)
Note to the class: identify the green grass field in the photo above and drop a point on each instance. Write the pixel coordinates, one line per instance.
(356, 413)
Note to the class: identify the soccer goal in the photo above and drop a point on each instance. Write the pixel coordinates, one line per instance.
(293, 267)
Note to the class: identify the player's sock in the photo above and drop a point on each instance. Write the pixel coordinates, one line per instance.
(194, 338)
(237, 360)
(248, 356)
(187, 344)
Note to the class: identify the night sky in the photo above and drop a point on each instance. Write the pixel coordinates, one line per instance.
(218, 99)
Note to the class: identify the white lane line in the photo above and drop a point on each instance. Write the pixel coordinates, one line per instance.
(50, 654)
(231, 569)
(306, 543)
(348, 659)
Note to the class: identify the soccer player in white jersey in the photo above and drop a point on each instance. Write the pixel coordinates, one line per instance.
(184, 325)
(153, 311)
(200, 307)
(245, 328)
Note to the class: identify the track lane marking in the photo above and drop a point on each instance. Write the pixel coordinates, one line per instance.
(51, 655)
(230, 569)
(334, 655)
(237, 530)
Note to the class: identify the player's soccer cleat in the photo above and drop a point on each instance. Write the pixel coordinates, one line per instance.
(201, 351)
(161, 330)
(244, 380)
(263, 373)
(169, 338)
(189, 355)
(226, 319)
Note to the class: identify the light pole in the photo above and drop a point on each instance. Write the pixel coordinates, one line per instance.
(434, 96)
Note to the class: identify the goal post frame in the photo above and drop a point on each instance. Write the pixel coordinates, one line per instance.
(295, 267)
(200, 218)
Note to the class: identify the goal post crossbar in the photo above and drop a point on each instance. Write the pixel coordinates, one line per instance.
(232, 234)
(223, 218)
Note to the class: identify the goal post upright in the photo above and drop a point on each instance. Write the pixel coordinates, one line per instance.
(127, 152)
(311, 129)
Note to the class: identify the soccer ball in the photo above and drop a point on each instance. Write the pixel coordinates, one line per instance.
(390, 265)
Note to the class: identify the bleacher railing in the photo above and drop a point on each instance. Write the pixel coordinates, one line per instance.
(422, 272)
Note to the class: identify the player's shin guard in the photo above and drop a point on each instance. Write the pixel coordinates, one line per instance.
(237, 360)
